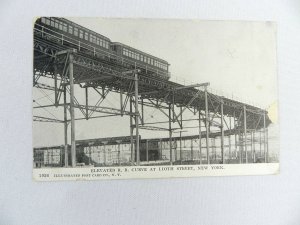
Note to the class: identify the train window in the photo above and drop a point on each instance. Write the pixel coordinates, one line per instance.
(75, 31)
(151, 61)
(125, 52)
(86, 36)
(138, 56)
(70, 29)
(148, 59)
(142, 58)
(80, 33)
(58, 24)
(97, 41)
(145, 59)
(65, 27)
(47, 21)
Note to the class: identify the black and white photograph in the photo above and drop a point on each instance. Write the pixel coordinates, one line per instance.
(158, 112)
(144, 98)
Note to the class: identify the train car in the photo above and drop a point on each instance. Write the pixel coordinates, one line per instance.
(137, 59)
(70, 34)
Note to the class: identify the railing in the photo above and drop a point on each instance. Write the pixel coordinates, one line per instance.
(46, 32)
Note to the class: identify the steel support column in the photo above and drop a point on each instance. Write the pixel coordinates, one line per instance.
(136, 93)
(86, 103)
(222, 135)
(121, 101)
(175, 149)
(251, 144)
(55, 86)
(104, 154)
(207, 126)
(241, 144)
(90, 154)
(170, 135)
(147, 150)
(254, 150)
(192, 152)
(200, 147)
(229, 140)
(119, 154)
(245, 133)
(131, 132)
(180, 147)
(265, 139)
(72, 113)
(260, 149)
(66, 127)
(160, 145)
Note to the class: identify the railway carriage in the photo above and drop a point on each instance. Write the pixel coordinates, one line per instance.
(72, 35)
(137, 59)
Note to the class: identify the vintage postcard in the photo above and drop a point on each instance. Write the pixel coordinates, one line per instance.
(153, 98)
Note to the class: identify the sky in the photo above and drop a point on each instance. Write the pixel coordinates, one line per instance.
(237, 58)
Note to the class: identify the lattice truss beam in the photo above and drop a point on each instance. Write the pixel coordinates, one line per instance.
(103, 78)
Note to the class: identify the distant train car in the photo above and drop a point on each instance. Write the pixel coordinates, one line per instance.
(141, 60)
(70, 34)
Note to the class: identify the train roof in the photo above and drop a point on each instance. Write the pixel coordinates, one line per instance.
(139, 51)
(82, 27)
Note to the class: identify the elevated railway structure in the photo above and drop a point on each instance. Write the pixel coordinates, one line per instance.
(236, 125)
